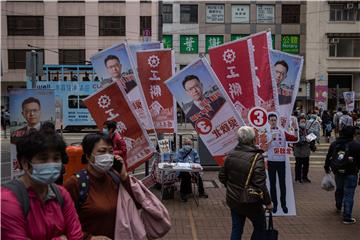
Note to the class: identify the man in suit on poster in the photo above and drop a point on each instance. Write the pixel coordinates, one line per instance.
(284, 91)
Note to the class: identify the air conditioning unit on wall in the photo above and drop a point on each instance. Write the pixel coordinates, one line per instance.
(334, 40)
(350, 6)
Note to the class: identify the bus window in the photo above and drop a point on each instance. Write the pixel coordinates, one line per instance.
(81, 103)
(73, 101)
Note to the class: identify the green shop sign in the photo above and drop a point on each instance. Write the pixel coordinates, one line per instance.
(213, 40)
(189, 44)
(167, 41)
(290, 43)
(237, 36)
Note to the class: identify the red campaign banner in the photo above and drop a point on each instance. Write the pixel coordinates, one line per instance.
(110, 103)
(232, 63)
(266, 88)
(155, 67)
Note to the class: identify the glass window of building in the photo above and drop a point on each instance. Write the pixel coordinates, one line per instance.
(188, 13)
(145, 24)
(25, 25)
(71, 26)
(215, 13)
(342, 12)
(72, 56)
(290, 13)
(17, 58)
(112, 25)
(344, 47)
(167, 14)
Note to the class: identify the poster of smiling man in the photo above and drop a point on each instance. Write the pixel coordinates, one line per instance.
(207, 107)
(114, 65)
(29, 109)
(287, 70)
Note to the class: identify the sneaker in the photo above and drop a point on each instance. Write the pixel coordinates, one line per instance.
(285, 209)
(306, 180)
(203, 195)
(349, 221)
(299, 181)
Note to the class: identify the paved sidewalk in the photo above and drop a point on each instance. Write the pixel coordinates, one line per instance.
(316, 217)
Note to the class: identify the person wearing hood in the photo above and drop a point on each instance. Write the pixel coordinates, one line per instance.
(187, 154)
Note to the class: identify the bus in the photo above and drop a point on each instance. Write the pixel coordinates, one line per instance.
(72, 83)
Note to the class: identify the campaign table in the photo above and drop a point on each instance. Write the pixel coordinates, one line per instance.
(181, 167)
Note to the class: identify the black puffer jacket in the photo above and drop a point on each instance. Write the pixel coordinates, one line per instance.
(234, 174)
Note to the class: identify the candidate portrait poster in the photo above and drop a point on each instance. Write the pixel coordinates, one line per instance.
(266, 88)
(29, 109)
(114, 65)
(207, 107)
(349, 98)
(154, 68)
(233, 64)
(321, 96)
(110, 103)
(286, 70)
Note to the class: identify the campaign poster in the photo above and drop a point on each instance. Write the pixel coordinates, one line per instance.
(114, 65)
(110, 103)
(279, 179)
(286, 70)
(154, 68)
(266, 88)
(233, 64)
(321, 96)
(207, 107)
(135, 47)
(29, 109)
(349, 98)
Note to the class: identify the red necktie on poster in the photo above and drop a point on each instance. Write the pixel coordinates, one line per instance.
(110, 103)
(155, 67)
(233, 65)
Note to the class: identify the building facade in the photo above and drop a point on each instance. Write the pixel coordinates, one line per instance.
(191, 28)
(68, 32)
(333, 49)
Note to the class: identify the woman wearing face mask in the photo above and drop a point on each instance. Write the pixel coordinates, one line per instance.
(51, 213)
(97, 207)
(302, 153)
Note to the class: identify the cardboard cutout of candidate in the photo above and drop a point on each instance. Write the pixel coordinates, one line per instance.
(194, 88)
(113, 66)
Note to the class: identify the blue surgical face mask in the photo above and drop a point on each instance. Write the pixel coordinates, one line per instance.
(187, 147)
(46, 173)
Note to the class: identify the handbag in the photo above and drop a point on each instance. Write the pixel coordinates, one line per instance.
(250, 194)
(270, 232)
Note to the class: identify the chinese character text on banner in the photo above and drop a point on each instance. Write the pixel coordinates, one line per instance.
(206, 105)
(234, 66)
(154, 67)
(110, 103)
(114, 65)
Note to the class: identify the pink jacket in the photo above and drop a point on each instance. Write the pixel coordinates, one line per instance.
(44, 221)
(152, 222)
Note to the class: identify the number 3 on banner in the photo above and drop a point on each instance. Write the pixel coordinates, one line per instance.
(203, 126)
(257, 117)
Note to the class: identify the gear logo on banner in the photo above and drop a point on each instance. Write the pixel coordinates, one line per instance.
(229, 56)
(104, 101)
(153, 61)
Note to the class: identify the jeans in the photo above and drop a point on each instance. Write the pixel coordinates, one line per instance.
(301, 168)
(279, 168)
(344, 194)
(238, 222)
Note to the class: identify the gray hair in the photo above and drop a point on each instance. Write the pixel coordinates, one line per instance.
(246, 135)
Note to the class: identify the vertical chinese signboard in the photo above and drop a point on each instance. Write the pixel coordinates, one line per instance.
(189, 44)
(154, 67)
(167, 41)
(290, 44)
(213, 41)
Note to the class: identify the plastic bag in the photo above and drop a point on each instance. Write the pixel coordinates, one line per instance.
(328, 183)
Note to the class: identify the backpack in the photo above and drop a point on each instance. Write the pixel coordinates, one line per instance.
(21, 193)
(83, 181)
(340, 158)
(328, 127)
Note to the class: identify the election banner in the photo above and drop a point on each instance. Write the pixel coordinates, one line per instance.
(234, 66)
(321, 96)
(266, 88)
(29, 109)
(134, 48)
(207, 107)
(114, 65)
(286, 69)
(154, 67)
(110, 103)
(349, 98)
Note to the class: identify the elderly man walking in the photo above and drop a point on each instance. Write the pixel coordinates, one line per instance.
(244, 176)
